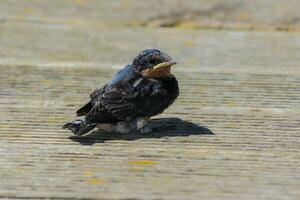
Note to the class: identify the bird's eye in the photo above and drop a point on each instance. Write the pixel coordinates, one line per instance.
(152, 61)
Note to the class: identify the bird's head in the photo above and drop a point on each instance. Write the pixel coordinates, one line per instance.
(152, 63)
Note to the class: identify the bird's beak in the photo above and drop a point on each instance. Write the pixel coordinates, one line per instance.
(165, 64)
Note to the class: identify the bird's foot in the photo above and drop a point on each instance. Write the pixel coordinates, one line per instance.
(146, 129)
(121, 127)
(133, 125)
(143, 125)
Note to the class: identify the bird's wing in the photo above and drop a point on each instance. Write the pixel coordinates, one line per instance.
(94, 96)
(121, 76)
(99, 109)
(129, 100)
(126, 99)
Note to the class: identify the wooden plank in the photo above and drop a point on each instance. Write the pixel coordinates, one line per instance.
(254, 152)
(210, 51)
(241, 86)
(216, 14)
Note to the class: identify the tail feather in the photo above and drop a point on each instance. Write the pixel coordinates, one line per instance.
(79, 126)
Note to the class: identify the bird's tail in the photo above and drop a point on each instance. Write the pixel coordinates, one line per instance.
(79, 126)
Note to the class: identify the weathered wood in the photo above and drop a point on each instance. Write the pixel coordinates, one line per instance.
(242, 86)
(216, 14)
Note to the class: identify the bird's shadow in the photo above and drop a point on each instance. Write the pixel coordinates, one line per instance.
(161, 128)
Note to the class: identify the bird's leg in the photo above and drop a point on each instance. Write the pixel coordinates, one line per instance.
(105, 127)
(122, 127)
(146, 129)
(131, 125)
(143, 125)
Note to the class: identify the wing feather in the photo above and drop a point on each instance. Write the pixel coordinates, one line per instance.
(132, 98)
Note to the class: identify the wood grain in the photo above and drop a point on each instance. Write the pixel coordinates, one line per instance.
(214, 14)
(232, 134)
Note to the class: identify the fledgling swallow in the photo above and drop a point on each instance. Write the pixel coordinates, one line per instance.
(136, 93)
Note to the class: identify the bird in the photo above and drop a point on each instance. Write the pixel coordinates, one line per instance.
(140, 90)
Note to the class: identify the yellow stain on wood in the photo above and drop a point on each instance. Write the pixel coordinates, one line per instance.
(125, 4)
(80, 2)
(191, 61)
(231, 103)
(47, 81)
(244, 16)
(20, 169)
(188, 25)
(95, 181)
(154, 24)
(190, 43)
(27, 11)
(23, 13)
(142, 162)
(233, 125)
(4, 126)
(87, 173)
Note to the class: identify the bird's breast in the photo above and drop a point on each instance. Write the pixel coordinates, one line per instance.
(166, 91)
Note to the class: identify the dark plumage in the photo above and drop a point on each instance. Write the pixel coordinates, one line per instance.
(137, 92)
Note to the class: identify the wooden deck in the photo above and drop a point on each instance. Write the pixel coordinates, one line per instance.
(232, 134)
